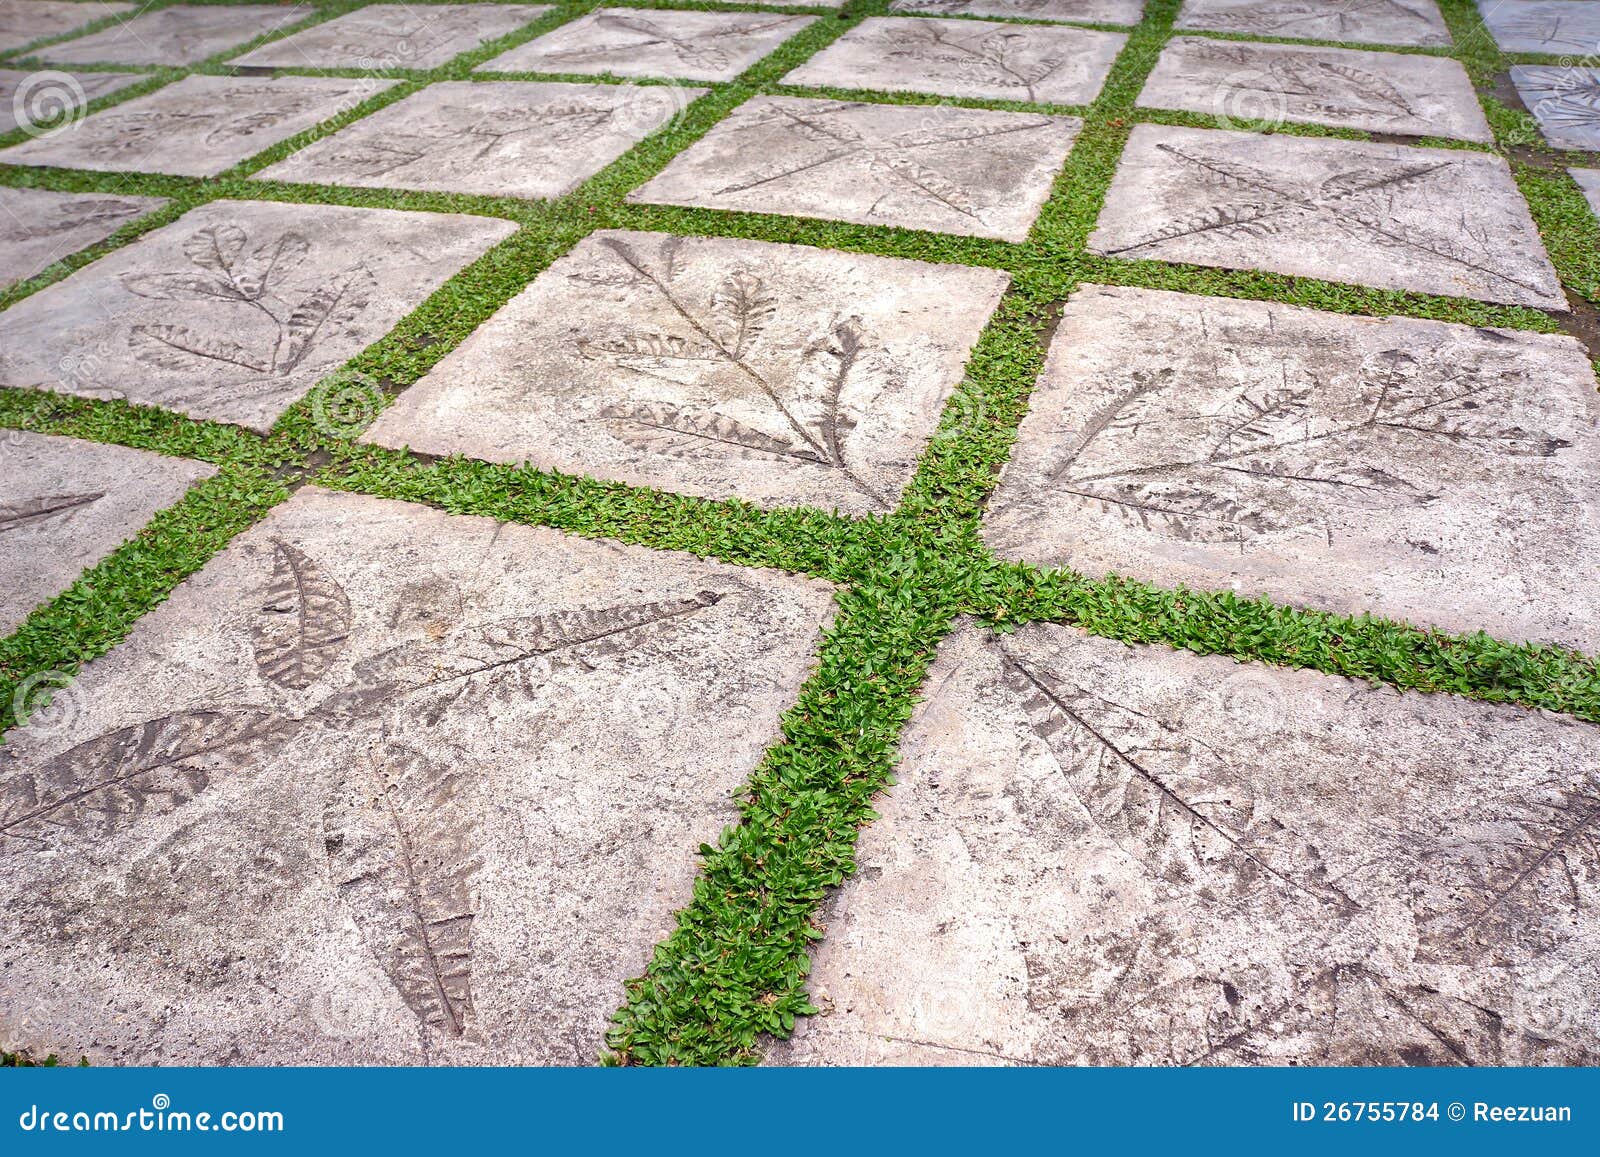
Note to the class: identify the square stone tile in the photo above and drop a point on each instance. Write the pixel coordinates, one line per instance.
(645, 42)
(1588, 181)
(967, 58)
(1428, 220)
(498, 138)
(66, 504)
(1559, 27)
(236, 309)
(198, 127)
(1408, 22)
(24, 21)
(1419, 470)
(181, 34)
(383, 785)
(39, 228)
(393, 36)
(951, 170)
(1563, 101)
(1383, 92)
(1125, 12)
(44, 99)
(777, 374)
(1095, 854)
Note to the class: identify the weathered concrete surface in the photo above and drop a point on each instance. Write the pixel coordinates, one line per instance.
(66, 504)
(199, 126)
(236, 309)
(1408, 22)
(24, 21)
(46, 96)
(1589, 181)
(1394, 216)
(645, 42)
(393, 36)
(967, 58)
(39, 228)
(1127, 12)
(500, 138)
(428, 789)
(1561, 27)
(1382, 92)
(776, 374)
(1096, 854)
(952, 170)
(182, 34)
(1563, 101)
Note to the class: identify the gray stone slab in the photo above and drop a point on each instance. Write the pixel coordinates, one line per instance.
(46, 101)
(776, 374)
(39, 228)
(1408, 22)
(199, 126)
(1385, 92)
(643, 42)
(236, 309)
(181, 34)
(1418, 470)
(24, 21)
(429, 790)
(1589, 181)
(967, 58)
(1559, 27)
(1125, 12)
(951, 170)
(1393, 216)
(393, 36)
(499, 138)
(1563, 101)
(1103, 855)
(67, 504)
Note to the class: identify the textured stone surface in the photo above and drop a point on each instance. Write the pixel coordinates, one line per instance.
(393, 36)
(198, 127)
(24, 21)
(777, 374)
(1096, 854)
(1563, 101)
(39, 228)
(182, 34)
(66, 504)
(236, 309)
(952, 170)
(1589, 181)
(1415, 469)
(428, 790)
(1429, 220)
(40, 98)
(967, 58)
(1410, 22)
(1128, 12)
(1382, 92)
(500, 138)
(643, 42)
(1554, 26)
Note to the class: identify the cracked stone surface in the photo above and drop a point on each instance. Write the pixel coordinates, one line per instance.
(236, 309)
(1436, 473)
(39, 227)
(951, 170)
(1562, 100)
(199, 126)
(39, 100)
(24, 21)
(641, 42)
(1404, 22)
(1382, 92)
(1128, 12)
(393, 36)
(1393, 216)
(498, 138)
(383, 785)
(182, 34)
(67, 504)
(1554, 26)
(776, 374)
(1589, 182)
(1106, 855)
(967, 58)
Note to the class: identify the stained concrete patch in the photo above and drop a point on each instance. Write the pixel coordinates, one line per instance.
(967, 58)
(383, 785)
(181, 34)
(1382, 92)
(39, 227)
(393, 36)
(39, 99)
(1563, 101)
(1589, 182)
(1408, 22)
(24, 21)
(235, 310)
(1428, 220)
(1126, 12)
(500, 138)
(1553, 26)
(644, 42)
(1104, 855)
(776, 374)
(951, 170)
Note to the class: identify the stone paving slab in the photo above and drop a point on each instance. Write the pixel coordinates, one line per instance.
(1125, 12)
(40, 98)
(967, 58)
(498, 138)
(199, 126)
(1419, 470)
(951, 170)
(1589, 182)
(1415, 23)
(1393, 216)
(383, 785)
(1383, 92)
(24, 21)
(1559, 27)
(642, 43)
(39, 227)
(67, 504)
(181, 34)
(393, 36)
(1563, 101)
(236, 309)
(1106, 855)
(776, 374)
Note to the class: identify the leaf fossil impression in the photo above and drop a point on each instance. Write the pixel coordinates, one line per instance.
(303, 621)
